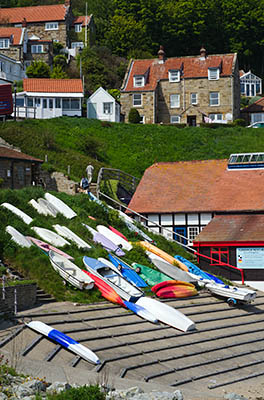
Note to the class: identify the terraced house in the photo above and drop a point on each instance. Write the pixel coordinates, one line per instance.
(190, 90)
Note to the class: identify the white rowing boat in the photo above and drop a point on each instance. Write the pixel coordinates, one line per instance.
(50, 236)
(37, 206)
(70, 272)
(48, 207)
(243, 295)
(17, 237)
(68, 234)
(118, 240)
(64, 341)
(26, 218)
(62, 208)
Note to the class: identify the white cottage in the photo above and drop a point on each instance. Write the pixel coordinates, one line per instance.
(101, 105)
(50, 98)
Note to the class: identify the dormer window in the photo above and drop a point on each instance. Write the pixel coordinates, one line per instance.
(4, 43)
(213, 74)
(139, 80)
(174, 75)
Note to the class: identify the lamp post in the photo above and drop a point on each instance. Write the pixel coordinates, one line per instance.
(15, 91)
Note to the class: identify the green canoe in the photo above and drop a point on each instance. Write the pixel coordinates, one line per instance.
(150, 275)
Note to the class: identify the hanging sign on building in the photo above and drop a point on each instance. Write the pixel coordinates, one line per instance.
(250, 257)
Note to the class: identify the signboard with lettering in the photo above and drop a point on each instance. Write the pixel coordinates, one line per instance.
(250, 257)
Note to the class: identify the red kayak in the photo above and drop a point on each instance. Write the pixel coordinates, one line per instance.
(174, 289)
(117, 232)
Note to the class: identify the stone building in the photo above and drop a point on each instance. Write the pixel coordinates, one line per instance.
(17, 169)
(189, 90)
(13, 42)
(49, 22)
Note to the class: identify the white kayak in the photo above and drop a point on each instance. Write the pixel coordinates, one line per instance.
(232, 292)
(17, 237)
(64, 341)
(70, 272)
(37, 206)
(168, 269)
(48, 207)
(26, 218)
(167, 314)
(118, 240)
(62, 208)
(50, 236)
(68, 234)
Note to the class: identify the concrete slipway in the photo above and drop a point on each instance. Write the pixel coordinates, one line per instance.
(224, 354)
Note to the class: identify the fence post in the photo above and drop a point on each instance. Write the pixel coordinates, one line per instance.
(15, 301)
(3, 290)
(46, 157)
(69, 170)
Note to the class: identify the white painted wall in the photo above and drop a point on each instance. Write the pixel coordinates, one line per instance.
(101, 105)
(10, 69)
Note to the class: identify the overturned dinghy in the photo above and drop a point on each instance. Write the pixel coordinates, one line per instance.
(68, 234)
(64, 341)
(62, 208)
(233, 294)
(50, 236)
(26, 218)
(17, 237)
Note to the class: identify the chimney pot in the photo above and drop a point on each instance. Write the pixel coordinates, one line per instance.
(161, 53)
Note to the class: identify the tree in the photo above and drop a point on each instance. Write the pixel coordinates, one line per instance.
(58, 73)
(133, 116)
(38, 69)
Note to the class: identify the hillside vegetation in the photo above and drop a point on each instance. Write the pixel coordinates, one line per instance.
(35, 265)
(129, 147)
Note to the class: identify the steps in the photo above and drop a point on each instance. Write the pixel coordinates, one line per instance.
(43, 297)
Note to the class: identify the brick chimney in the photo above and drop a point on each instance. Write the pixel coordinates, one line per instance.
(161, 55)
(24, 23)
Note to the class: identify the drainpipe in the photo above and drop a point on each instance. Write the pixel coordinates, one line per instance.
(154, 107)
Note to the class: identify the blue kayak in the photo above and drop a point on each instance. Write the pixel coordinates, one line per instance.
(197, 271)
(128, 273)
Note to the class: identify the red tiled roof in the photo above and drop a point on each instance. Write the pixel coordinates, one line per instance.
(53, 85)
(229, 228)
(193, 67)
(8, 32)
(198, 186)
(81, 20)
(56, 12)
(258, 106)
(6, 152)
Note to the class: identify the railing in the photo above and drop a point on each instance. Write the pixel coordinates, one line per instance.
(173, 233)
(24, 112)
(129, 182)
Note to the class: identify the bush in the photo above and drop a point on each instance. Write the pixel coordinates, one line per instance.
(133, 116)
(239, 122)
(84, 393)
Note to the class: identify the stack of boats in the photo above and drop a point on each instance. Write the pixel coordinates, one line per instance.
(118, 281)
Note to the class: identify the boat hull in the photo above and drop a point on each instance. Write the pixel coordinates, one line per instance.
(62, 208)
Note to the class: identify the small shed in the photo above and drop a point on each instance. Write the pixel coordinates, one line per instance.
(101, 105)
(254, 112)
(17, 169)
(230, 244)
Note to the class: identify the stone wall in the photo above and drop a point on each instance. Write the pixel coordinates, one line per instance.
(25, 297)
(38, 29)
(146, 110)
(58, 182)
(14, 52)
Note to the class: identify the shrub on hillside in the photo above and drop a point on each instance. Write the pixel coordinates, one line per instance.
(83, 392)
(133, 116)
(239, 122)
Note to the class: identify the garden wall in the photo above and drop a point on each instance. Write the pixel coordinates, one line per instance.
(25, 297)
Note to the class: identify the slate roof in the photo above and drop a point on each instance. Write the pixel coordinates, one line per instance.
(53, 85)
(56, 12)
(198, 186)
(229, 228)
(17, 33)
(6, 152)
(191, 66)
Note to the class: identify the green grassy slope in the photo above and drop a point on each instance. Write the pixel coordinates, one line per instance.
(131, 148)
(34, 264)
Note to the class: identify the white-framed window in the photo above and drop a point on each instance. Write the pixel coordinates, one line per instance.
(174, 100)
(36, 48)
(57, 102)
(51, 26)
(142, 119)
(30, 101)
(137, 100)
(70, 104)
(174, 75)
(192, 232)
(78, 27)
(214, 99)
(175, 119)
(213, 74)
(77, 45)
(37, 101)
(194, 98)
(18, 25)
(4, 43)
(216, 117)
(139, 80)
(2, 66)
(108, 108)
(44, 103)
